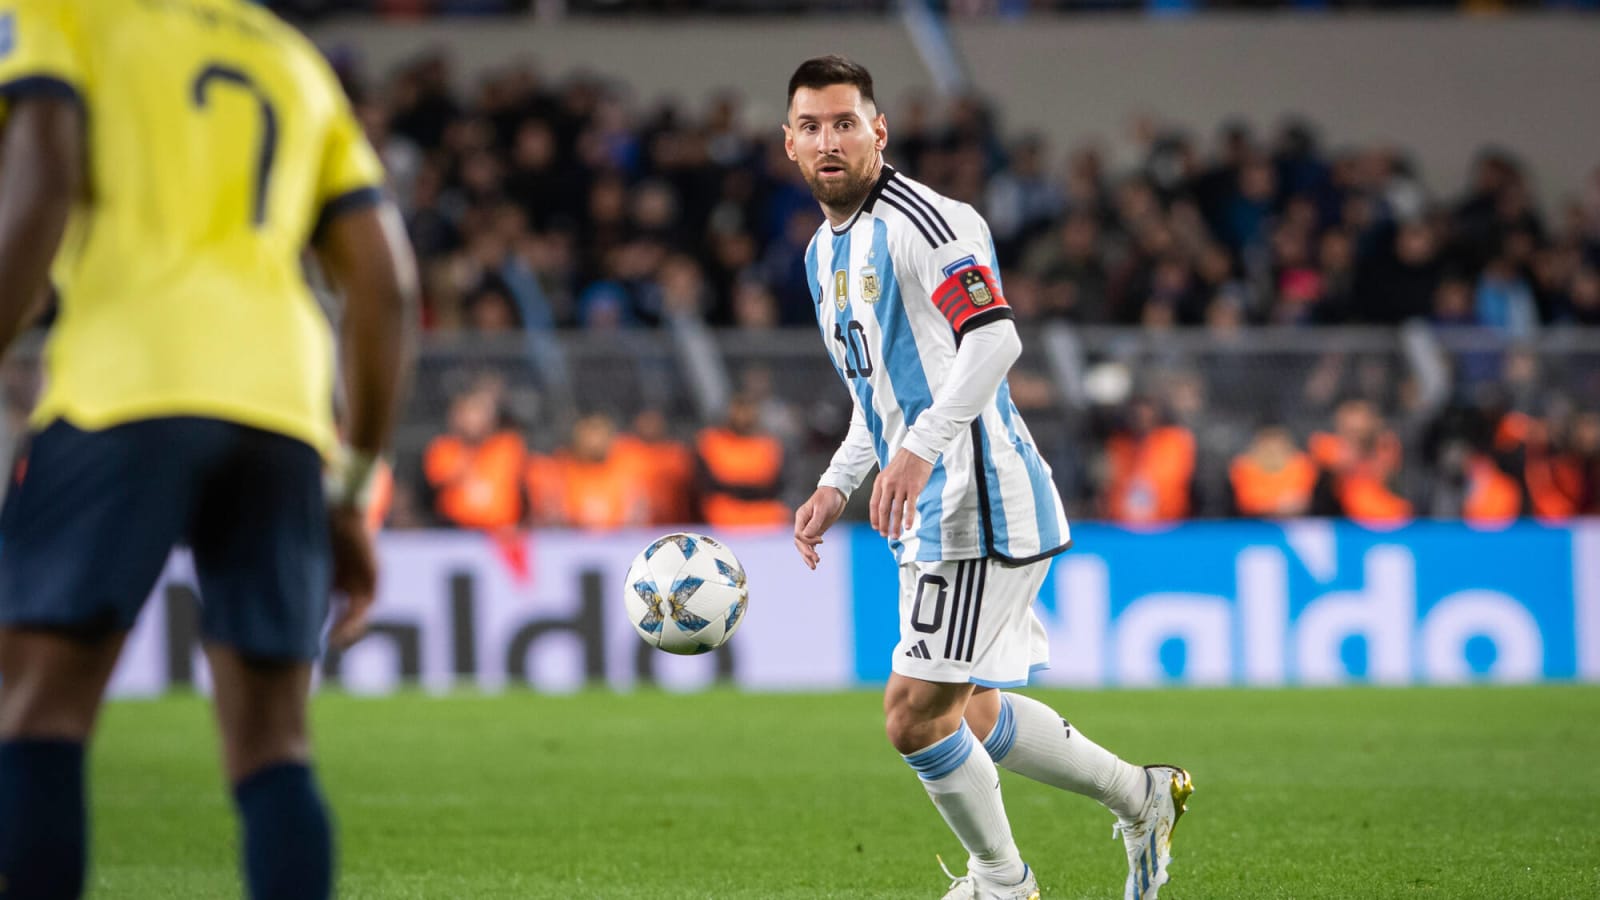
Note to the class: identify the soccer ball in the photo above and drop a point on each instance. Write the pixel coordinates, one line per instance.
(685, 593)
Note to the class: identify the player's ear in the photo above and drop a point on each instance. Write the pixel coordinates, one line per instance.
(788, 142)
(880, 129)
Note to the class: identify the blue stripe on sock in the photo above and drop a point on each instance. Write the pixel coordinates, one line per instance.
(1004, 733)
(944, 757)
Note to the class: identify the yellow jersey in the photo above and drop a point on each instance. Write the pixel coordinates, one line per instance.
(218, 140)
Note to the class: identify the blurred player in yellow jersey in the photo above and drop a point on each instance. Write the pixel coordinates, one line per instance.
(172, 159)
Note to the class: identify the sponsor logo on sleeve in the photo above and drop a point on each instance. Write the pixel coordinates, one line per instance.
(965, 262)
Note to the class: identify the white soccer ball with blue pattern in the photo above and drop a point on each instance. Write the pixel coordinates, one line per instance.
(685, 593)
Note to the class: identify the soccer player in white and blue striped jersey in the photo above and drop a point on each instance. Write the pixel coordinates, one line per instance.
(912, 310)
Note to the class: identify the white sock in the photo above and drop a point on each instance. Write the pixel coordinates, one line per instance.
(1032, 740)
(963, 783)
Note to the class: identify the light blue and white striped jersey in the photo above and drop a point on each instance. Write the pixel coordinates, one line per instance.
(894, 287)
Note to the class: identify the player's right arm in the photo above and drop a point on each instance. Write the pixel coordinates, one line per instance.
(850, 465)
(43, 151)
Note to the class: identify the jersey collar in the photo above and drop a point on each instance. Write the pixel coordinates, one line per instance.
(872, 198)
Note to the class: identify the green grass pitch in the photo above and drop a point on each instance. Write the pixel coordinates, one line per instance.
(1360, 793)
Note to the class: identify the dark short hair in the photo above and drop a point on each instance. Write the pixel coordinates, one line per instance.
(826, 71)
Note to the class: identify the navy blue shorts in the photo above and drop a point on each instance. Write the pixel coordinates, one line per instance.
(87, 532)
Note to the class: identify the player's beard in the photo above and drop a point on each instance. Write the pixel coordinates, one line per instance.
(844, 194)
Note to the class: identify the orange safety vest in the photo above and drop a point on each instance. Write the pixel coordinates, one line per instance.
(602, 496)
(545, 493)
(1555, 484)
(477, 486)
(746, 473)
(1150, 476)
(1362, 484)
(1492, 496)
(665, 472)
(1265, 493)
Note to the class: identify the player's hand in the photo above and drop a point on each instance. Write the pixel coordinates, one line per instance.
(814, 517)
(895, 493)
(355, 573)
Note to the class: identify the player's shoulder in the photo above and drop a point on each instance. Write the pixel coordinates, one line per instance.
(296, 48)
(922, 212)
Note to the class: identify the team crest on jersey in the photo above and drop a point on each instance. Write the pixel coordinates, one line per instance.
(841, 289)
(977, 289)
(870, 287)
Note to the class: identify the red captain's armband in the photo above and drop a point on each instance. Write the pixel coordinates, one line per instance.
(969, 298)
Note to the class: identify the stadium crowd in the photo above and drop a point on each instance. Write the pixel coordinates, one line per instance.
(538, 206)
(543, 208)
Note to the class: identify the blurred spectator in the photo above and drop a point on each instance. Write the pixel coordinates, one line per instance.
(1020, 200)
(1559, 453)
(1362, 458)
(1397, 282)
(1584, 447)
(1490, 496)
(1272, 478)
(1072, 276)
(1505, 300)
(754, 307)
(1583, 304)
(591, 484)
(664, 467)
(740, 470)
(475, 469)
(490, 311)
(1247, 217)
(1150, 468)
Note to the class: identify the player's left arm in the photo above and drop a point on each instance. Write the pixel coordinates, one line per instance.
(966, 291)
(43, 151)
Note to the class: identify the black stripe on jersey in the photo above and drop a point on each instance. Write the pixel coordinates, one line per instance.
(983, 509)
(913, 212)
(904, 211)
(872, 198)
(977, 607)
(955, 598)
(900, 188)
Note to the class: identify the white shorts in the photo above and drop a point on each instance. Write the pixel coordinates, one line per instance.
(971, 620)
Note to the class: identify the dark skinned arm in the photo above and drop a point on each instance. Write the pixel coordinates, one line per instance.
(366, 255)
(41, 175)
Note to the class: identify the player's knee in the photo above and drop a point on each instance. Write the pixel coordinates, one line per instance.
(910, 733)
(912, 727)
(29, 709)
(246, 754)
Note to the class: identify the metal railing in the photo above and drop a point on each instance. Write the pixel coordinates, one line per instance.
(1069, 383)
